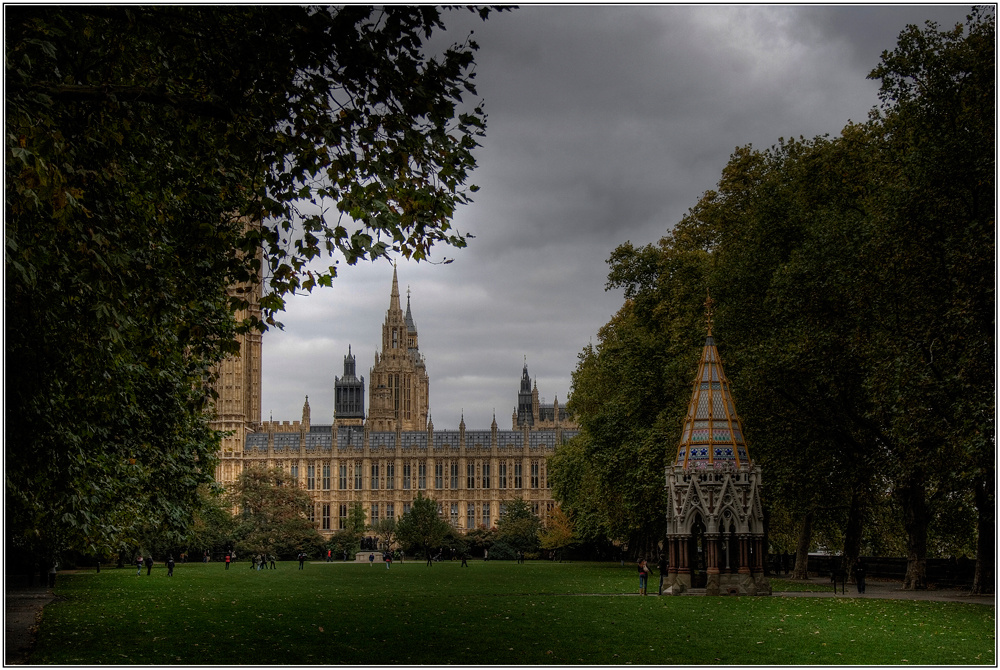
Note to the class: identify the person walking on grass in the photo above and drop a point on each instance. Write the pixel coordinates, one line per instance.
(149, 565)
(302, 560)
(170, 565)
(229, 558)
(138, 565)
(643, 575)
(662, 567)
(859, 574)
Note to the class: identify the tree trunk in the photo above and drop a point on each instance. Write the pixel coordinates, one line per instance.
(852, 533)
(913, 499)
(802, 551)
(985, 542)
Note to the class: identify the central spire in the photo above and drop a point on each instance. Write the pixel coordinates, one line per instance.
(712, 431)
(394, 296)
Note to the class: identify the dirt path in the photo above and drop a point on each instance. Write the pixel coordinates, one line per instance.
(22, 614)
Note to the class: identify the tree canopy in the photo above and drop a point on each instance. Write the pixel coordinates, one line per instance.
(420, 528)
(854, 283)
(157, 157)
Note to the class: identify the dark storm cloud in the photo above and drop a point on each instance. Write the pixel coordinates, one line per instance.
(605, 125)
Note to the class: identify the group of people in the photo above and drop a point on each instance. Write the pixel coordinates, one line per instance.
(148, 562)
(645, 570)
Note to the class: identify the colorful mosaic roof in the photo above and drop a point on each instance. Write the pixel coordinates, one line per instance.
(712, 432)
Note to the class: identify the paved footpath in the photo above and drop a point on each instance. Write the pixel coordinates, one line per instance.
(891, 590)
(24, 605)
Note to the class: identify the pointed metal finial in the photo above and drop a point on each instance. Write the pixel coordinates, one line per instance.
(708, 311)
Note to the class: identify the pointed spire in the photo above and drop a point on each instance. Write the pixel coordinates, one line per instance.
(394, 296)
(410, 326)
(708, 312)
(712, 432)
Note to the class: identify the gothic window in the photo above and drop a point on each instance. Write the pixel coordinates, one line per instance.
(326, 476)
(517, 475)
(326, 517)
(407, 473)
(454, 515)
(422, 475)
(374, 512)
(358, 476)
(395, 338)
(470, 475)
(534, 474)
(374, 476)
(439, 475)
(486, 475)
(454, 474)
(342, 480)
(470, 516)
(502, 474)
(390, 475)
(343, 517)
(486, 514)
(311, 477)
(295, 473)
(390, 511)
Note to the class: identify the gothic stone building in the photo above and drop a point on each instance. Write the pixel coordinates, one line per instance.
(383, 459)
(715, 524)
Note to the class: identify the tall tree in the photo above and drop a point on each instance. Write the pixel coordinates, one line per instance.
(932, 254)
(271, 514)
(421, 528)
(142, 145)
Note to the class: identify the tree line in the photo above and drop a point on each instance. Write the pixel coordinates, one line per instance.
(853, 278)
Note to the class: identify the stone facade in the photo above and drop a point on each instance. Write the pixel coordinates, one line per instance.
(384, 459)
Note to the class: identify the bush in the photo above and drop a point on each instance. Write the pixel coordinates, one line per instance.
(501, 551)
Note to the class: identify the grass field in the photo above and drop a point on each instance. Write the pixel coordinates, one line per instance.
(489, 613)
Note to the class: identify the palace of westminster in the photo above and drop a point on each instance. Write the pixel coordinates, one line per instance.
(383, 459)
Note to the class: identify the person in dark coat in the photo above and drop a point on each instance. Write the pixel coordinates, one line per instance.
(860, 572)
(170, 565)
(149, 565)
(662, 567)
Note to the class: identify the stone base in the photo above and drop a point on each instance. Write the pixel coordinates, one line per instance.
(727, 584)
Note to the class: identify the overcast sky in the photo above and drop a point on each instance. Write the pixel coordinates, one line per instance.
(605, 125)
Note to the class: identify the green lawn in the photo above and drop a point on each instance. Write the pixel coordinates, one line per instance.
(489, 613)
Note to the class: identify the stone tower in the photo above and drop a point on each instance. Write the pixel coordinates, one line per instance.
(400, 390)
(237, 408)
(715, 524)
(349, 395)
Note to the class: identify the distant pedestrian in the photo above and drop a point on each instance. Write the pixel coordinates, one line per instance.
(170, 565)
(302, 560)
(643, 575)
(229, 558)
(662, 567)
(138, 565)
(53, 569)
(270, 558)
(329, 555)
(465, 559)
(204, 558)
(149, 565)
(860, 571)
(371, 560)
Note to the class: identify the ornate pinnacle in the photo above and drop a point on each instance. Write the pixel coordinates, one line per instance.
(708, 311)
